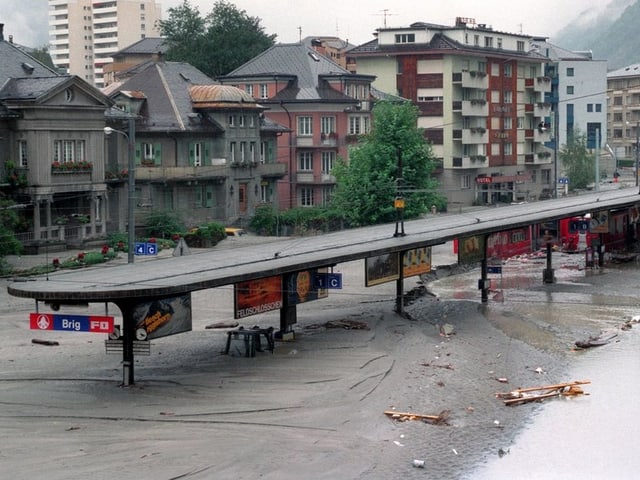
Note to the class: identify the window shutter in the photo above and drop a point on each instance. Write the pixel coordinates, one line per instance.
(192, 154)
(157, 153)
(138, 154)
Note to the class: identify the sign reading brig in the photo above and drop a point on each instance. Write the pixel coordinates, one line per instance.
(71, 323)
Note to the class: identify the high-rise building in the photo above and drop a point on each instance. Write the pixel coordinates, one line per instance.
(84, 34)
(481, 100)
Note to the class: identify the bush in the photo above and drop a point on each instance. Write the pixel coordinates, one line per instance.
(205, 236)
(163, 224)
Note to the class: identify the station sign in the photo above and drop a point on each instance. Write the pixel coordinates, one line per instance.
(146, 248)
(331, 281)
(71, 323)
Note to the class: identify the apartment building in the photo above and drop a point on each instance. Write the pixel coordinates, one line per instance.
(623, 112)
(324, 107)
(84, 34)
(579, 91)
(481, 95)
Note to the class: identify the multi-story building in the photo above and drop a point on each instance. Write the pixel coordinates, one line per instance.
(481, 96)
(325, 107)
(579, 91)
(201, 150)
(623, 112)
(52, 151)
(84, 34)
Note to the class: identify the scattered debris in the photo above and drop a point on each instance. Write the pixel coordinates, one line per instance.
(418, 463)
(539, 370)
(502, 379)
(447, 329)
(603, 338)
(398, 443)
(532, 394)
(447, 366)
(502, 453)
(347, 324)
(48, 343)
(222, 325)
(440, 419)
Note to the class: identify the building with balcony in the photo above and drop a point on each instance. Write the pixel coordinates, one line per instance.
(51, 151)
(579, 91)
(623, 112)
(481, 96)
(202, 149)
(84, 34)
(324, 107)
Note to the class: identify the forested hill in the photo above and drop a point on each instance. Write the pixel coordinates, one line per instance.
(611, 33)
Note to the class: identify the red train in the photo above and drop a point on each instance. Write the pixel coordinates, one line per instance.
(616, 230)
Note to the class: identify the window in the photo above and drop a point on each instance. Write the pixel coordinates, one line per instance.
(508, 96)
(264, 90)
(241, 120)
(545, 176)
(68, 151)
(249, 89)
(232, 120)
(264, 152)
(520, 45)
(252, 121)
(198, 153)
(327, 193)
(232, 152)
(306, 197)
(507, 123)
(465, 181)
(243, 157)
(488, 42)
(589, 107)
(569, 89)
(264, 193)
(252, 152)
(570, 72)
(358, 124)
(476, 40)
(305, 126)
(305, 161)
(405, 38)
(598, 107)
(499, 42)
(508, 148)
(507, 70)
(147, 151)
(328, 125)
(22, 153)
(328, 159)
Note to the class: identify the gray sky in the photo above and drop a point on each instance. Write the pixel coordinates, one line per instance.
(355, 21)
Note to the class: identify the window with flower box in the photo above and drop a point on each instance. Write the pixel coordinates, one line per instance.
(68, 151)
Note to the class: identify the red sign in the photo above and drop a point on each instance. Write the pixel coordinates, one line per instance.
(483, 180)
(71, 323)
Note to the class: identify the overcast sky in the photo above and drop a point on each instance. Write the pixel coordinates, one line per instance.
(26, 20)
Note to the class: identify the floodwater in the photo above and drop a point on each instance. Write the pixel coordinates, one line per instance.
(593, 436)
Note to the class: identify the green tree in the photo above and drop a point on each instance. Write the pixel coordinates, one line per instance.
(578, 164)
(368, 184)
(9, 222)
(216, 44)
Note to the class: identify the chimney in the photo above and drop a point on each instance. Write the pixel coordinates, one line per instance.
(1, 32)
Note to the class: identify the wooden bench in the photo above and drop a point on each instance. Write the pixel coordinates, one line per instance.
(251, 338)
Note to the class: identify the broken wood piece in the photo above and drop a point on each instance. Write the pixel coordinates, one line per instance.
(222, 325)
(525, 395)
(604, 337)
(441, 418)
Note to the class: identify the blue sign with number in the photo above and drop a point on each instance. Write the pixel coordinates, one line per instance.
(143, 248)
(332, 281)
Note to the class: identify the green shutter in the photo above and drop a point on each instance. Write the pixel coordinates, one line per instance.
(157, 153)
(138, 153)
(192, 154)
(206, 159)
(209, 196)
(198, 193)
(269, 158)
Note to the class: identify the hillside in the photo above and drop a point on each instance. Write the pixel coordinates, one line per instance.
(611, 33)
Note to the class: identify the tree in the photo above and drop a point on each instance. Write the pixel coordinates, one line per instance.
(216, 44)
(9, 222)
(578, 164)
(368, 184)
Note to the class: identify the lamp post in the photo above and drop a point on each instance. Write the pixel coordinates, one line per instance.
(131, 182)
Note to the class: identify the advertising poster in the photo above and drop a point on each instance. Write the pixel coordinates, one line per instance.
(503, 245)
(257, 296)
(471, 249)
(300, 288)
(382, 269)
(417, 261)
(599, 222)
(162, 317)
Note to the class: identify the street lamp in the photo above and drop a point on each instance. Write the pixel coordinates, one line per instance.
(131, 182)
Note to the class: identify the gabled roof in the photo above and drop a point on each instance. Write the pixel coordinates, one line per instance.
(628, 71)
(15, 63)
(147, 45)
(303, 67)
(23, 91)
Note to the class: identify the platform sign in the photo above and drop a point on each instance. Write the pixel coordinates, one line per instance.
(146, 248)
(494, 269)
(331, 281)
(71, 323)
